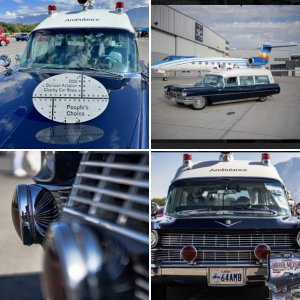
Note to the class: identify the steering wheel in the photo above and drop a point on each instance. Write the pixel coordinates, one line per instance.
(110, 58)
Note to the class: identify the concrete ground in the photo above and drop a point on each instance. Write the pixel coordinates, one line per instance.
(18, 48)
(277, 118)
(20, 266)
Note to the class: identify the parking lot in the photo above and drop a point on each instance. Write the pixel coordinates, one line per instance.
(18, 48)
(277, 118)
(21, 265)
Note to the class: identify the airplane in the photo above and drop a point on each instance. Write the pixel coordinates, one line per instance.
(198, 63)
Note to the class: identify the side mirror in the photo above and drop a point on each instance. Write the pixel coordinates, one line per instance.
(298, 209)
(154, 209)
(18, 58)
(5, 60)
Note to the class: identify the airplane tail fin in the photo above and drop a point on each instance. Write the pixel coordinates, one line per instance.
(265, 52)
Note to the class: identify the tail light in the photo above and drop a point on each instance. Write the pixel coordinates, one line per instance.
(33, 209)
(52, 9)
(262, 251)
(266, 158)
(80, 265)
(188, 253)
(119, 7)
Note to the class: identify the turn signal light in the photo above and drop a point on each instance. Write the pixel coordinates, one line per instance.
(188, 253)
(262, 251)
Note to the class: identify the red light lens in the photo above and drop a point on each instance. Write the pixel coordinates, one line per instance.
(188, 253)
(265, 156)
(187, 156)
(120, 5)
(262, 251)
(51, 8)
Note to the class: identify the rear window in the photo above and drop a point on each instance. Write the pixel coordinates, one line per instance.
(246, 80)
(262, 80)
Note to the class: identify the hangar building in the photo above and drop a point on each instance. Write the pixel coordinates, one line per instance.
(174, 33)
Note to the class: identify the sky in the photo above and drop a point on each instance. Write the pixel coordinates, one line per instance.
(249, 26)
(164, 165)
(10, 9)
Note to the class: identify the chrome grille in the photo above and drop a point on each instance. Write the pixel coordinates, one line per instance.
(175, 94)
(170, 255)
(111, 190)
(228, 240)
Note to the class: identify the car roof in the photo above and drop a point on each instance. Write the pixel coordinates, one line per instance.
(241, 71)
(91, 18)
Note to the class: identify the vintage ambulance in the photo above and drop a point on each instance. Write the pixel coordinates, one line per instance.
(222, 220)
(79, 84)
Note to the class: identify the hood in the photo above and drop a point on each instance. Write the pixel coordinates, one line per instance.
(119, 126)
(227, 223)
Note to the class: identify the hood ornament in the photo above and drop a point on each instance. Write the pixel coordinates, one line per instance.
(228, 223)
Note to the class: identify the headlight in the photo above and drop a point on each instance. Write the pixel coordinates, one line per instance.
(166, 89)
(154, 238)
(298, 238)
(184, 93)
(33, 209)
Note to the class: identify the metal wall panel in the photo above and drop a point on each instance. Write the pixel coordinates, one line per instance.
(162, 42)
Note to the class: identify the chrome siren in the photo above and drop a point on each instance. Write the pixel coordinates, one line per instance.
(33, 209)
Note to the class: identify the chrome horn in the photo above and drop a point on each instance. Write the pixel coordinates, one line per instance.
(33, 209)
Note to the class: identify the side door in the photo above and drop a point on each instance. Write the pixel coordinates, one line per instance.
(230, 91)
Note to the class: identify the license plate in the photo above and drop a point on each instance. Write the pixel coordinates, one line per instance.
(226, 276)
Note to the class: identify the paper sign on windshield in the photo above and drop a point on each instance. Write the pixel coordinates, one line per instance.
(70, 98)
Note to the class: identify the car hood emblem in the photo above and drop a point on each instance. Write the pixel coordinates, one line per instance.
(228, 223)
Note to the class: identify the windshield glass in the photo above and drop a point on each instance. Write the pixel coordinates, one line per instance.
(100, 49)
(210, 79)
(237, 195)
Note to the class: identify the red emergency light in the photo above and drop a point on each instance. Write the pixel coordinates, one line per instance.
(187, 157)
(51, 9)
(119, 7)
(188, 253)
(266, 158)
(262, 251)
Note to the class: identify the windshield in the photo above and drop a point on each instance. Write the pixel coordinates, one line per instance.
(236, 195)
(214, 80)
(100, 49)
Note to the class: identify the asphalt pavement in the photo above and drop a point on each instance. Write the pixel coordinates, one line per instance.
(277, 118)
(20, 266)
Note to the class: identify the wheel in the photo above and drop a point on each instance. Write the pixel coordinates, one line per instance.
(2, 43)
(262, 99)
(200, 103)
(159, 291)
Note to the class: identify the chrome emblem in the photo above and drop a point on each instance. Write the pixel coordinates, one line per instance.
(228, 223)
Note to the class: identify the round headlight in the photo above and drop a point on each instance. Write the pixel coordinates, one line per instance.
(298, 209)
(33, 209)
(298, 238)
(154, 238)
(166, 89)
(184, 93)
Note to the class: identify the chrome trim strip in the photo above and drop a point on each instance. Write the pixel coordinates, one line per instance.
(109, 226)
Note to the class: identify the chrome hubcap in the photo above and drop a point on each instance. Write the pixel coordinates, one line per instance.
(199, 103)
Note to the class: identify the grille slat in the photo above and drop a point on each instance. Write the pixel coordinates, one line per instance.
(111, 190)
(218, 240)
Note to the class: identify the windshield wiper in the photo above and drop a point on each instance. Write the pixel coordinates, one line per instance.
(202, 210)
(99, 71)
(256, 209)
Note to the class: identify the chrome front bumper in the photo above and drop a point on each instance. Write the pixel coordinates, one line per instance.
(185, 101)
(252, 273)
